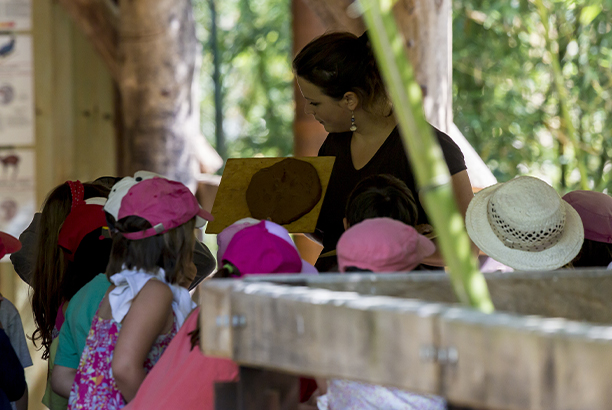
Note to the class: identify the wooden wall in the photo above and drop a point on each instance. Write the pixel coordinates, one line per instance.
(75, 136)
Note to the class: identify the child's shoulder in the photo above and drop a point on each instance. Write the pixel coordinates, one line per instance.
(156, 289)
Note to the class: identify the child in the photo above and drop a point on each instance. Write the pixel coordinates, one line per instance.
(382, 245)
(524, 224)
(150, 267)
(379, 245)
(12, 329)
(377, 196)
(86, 244)
(188, 376)
(595, 210)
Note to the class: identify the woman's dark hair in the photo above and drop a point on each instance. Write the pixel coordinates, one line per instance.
(593, 254)
(381, 196)
(342, 62)
(172, 251)
(90, 259)
(50, 267)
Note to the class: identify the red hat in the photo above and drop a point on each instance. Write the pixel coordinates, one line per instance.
(382, 245)
(595, 210)
(8, 244)
(255, 250)
(165, 204)
(82, 220)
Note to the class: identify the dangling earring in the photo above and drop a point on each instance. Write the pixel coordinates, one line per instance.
(353, 126)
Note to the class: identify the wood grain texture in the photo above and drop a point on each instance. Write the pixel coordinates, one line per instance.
(230, 202)
(496, 361)
(581, 294)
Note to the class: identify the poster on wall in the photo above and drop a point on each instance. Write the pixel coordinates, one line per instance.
(15, 15)
(17, 189)
(16, 90)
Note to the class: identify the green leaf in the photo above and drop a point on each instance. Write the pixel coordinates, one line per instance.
(589, 13)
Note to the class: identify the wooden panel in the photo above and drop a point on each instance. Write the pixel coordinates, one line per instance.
(94, 133)
(580, 294)
(230, 203)
(496, 361)
(323, 333)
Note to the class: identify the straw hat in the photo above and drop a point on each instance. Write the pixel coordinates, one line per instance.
(523, 223)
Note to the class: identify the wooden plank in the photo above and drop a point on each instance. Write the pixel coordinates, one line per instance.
(580, 294)
(94, 131)
(322, 333)
(230, 203)
(496, 361)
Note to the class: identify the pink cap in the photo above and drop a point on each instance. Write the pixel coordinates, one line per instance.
(82, 220)
(256, 250)
(225, 237)
(595, 210)
(8, 244)
(382, 245)
(165, 204)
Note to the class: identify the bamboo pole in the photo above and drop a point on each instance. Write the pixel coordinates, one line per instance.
(563, 96)
(425, 155)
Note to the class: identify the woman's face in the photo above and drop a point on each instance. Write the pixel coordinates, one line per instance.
(333, 114)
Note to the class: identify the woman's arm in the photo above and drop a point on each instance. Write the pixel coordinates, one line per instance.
(462, 191)
(62, 379)
(148, 317)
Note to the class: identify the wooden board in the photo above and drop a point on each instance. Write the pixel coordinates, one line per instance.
(577, 294)
(230, 203)
(498, 361)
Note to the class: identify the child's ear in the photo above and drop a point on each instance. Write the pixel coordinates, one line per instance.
(345, 222)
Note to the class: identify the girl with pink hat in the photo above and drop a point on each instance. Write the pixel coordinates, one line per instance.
(248, 247)
(379, 245)
(150, 267)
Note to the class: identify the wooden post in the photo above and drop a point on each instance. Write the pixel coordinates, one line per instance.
(157, 51)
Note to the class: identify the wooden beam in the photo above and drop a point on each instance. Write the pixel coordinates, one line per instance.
(99, 20)
(579, 294)
(488, 361)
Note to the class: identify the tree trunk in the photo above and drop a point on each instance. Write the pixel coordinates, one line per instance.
(426, 28)
(157, 51)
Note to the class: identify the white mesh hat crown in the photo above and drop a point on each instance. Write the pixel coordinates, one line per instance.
(524, 223)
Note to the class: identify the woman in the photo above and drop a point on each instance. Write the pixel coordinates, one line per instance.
(338, 77)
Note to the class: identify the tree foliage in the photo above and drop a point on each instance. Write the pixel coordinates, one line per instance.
(505, 99)
(254, 40)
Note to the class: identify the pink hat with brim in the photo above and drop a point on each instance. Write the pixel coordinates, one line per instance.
(165, 204)
(8, 244)
(595, 210)
(260, 247)
(382, 245)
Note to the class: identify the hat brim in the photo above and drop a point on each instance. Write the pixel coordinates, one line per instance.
(202, 217)
(481, 233)
(11, 244)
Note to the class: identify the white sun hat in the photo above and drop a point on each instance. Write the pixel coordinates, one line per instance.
(524, 223)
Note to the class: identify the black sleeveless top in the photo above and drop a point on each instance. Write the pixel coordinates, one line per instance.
(389, 159)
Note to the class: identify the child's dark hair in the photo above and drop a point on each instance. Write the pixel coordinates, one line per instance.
(227, 271)
(381, 196)
(49, 266)
(171, 251)
(90, 259)
(342, 62)
(593, 254)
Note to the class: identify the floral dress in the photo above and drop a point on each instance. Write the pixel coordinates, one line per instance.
(94, 386)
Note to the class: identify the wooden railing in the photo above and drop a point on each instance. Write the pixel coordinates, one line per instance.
(549, 346)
